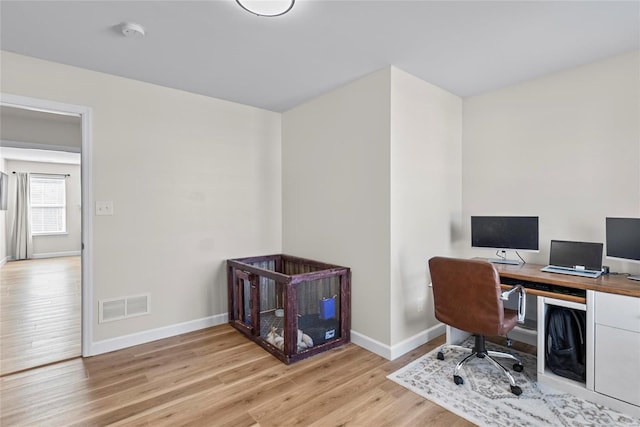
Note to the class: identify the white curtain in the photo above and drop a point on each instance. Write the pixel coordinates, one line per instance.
(22, 241)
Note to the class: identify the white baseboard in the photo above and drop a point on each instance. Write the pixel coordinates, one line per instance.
(397, 350)
(370, 344)
(45, 255)
(4, 260)
(381, 349)
(417, 340)
(143, 337)
(56, 254)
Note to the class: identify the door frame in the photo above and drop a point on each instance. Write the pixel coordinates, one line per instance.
(86, 116)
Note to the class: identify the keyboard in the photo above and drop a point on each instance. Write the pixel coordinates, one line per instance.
(544, 287)
(566, 270)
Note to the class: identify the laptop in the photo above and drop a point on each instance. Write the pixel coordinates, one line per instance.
(575, 258)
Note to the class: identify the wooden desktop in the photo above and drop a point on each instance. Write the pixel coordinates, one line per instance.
(610, 283)
(612, 306)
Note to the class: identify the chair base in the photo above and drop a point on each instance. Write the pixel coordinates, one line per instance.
(480, 351)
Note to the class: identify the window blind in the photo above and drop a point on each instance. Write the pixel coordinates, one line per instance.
(48, 204)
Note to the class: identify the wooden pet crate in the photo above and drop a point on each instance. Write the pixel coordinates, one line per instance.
(292, 307)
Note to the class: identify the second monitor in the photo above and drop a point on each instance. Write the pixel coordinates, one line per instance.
(623, 240)
(502, 233)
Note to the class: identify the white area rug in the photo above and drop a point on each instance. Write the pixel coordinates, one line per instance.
(486, 399)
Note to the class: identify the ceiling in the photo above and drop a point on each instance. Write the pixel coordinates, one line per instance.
(217, 49)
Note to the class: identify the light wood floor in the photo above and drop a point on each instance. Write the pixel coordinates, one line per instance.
(217, 377)
(40, 312)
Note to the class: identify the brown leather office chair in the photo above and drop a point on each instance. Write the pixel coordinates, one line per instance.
(467, 296)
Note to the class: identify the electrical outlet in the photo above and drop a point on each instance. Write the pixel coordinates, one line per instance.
(420, 304)
(104, 208)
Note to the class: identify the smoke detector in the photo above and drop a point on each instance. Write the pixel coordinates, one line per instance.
(132, 30)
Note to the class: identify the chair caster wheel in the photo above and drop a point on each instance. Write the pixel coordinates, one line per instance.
(516, 390)
(440, 355)
(458, 380)
(518, 367)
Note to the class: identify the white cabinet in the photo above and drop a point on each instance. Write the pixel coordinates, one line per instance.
(617, 347)
(618, 311)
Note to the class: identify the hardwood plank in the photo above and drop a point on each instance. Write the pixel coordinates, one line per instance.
(218, 377)
(289, 408)
(67, 371)
(127, 410)
(372, 402)
(226, 405)
(40, 309)
(335, 398)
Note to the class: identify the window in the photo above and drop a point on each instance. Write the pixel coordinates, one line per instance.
(48, 204)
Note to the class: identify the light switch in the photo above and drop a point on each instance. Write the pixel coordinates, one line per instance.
(104, 208)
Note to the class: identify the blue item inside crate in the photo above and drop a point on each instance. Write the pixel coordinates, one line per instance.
(327, 308)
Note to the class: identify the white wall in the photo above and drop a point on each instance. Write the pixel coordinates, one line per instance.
(335, 172)
(372, 180)
(426, 195)
(3, 218)
(59, 244)
(565, 147)
(194, 181)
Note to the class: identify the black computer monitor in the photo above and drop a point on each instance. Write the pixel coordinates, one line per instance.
(623, 239)
(517, 233)
(586, 255)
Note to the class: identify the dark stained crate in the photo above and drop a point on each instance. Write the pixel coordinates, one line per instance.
(293, 307)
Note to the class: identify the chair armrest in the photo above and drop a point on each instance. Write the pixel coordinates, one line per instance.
(522, 300)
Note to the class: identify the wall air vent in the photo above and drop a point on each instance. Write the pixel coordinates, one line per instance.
(123, 308)
(113, 309)
(137, 305)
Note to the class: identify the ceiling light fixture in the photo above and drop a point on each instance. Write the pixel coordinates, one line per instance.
(131, 29)
(266, 7)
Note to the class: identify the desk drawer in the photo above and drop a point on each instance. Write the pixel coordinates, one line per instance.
(617, 311)
(617, 357)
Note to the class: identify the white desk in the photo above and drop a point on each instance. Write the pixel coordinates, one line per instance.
(612, 306)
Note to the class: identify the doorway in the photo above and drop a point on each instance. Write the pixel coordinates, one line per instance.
(46, 310)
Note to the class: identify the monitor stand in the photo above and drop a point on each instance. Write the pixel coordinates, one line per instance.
(634, 278)
(505, 261)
